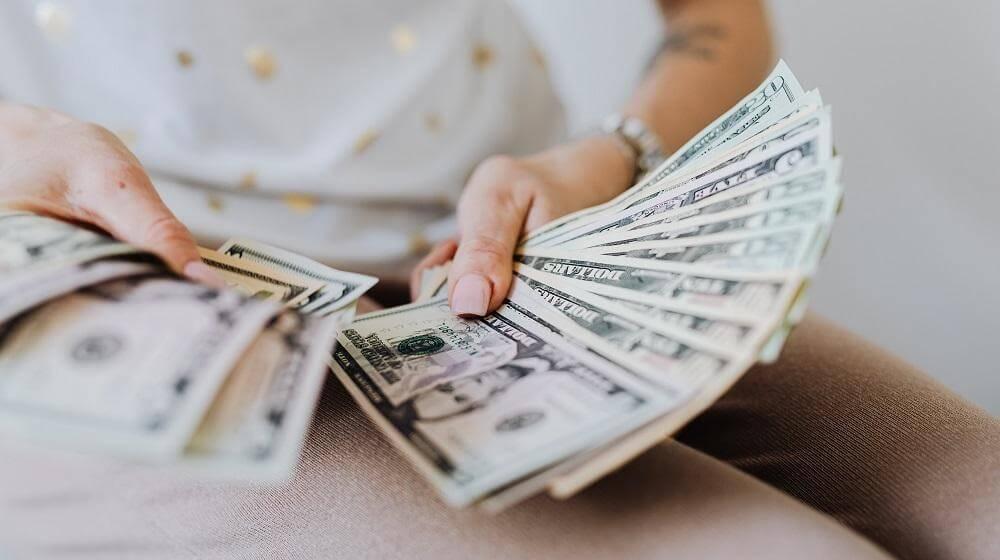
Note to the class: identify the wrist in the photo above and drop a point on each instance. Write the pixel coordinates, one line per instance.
(617, 158)
(638, 138)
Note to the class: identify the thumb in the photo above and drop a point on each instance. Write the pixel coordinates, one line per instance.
(490, 222)
(132, 211)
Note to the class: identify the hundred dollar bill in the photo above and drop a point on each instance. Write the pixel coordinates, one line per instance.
(745, 332)
(707, 292)
(721, 197)
(129, 366)
(800, 145)
(547, 401)
(257, 423)
(820, 207)
(338, 288)
(254, 280)
(777, 97)
(29, 242)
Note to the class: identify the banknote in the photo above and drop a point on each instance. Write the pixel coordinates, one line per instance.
(254, 280)
(776, 97)
(23, 291)
(779, 96)
(808, 209)
(806, 106)
(337, 287)
(708, 292)
(801, 145)
(809, 181)
(590, 467)
(716, 332)
(29, 242)
(697, 394)
(663, 354)
(774, 248)
(102, 349)
(257, 423)
(543, 403)
(128, 366)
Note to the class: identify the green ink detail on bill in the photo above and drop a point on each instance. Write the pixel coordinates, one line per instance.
(420, 345)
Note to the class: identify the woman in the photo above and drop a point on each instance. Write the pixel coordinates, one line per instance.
(345, 131)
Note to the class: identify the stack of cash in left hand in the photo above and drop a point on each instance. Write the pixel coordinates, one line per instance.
(101, 349)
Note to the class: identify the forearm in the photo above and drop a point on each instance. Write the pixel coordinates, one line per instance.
(715, 51)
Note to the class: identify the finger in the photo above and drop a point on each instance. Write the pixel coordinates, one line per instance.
(439, 255)
(367, 305)
(490, 222)
(127, 206)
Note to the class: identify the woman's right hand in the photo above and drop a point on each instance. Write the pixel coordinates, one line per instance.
(55, 165)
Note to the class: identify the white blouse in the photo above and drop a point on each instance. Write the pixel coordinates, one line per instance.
(340, 129)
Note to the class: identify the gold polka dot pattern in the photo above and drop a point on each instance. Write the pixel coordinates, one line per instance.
(365, 141)
(482, 56)
(300, 203)
(403, 39)
(248, 181)
(261, 61)
(432, 121)
(215, 203)
(185, 59)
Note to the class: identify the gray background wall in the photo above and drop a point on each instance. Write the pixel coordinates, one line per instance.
(915, 89)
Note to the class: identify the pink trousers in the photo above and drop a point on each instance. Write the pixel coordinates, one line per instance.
(837, 451)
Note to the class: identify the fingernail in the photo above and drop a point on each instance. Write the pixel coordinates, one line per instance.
(201, 272)
(471, 296)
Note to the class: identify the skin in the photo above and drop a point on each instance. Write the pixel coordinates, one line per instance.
(716, 52)
(55, 165)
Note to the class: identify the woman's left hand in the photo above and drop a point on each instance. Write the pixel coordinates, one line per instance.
(507, 196)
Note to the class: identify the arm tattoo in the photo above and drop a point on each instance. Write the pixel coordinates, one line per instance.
(697, 40)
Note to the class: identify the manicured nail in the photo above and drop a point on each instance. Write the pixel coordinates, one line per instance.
(201, 272)
(471, 296)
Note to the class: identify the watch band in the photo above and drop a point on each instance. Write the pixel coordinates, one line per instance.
(639, 138)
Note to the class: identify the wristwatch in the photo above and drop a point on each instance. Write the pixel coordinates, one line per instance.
(642, 142)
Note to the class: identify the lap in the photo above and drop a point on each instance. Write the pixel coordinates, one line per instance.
(867, 438)
(354, 496)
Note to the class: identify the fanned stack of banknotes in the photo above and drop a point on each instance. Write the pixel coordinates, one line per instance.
(625, 320)
(101, 349)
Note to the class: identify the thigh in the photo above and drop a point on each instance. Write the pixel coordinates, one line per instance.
(867, 438)
(355, 497)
